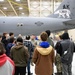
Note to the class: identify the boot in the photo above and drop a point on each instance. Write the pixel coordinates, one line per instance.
(58, 73)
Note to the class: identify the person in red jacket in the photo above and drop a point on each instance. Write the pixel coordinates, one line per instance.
(6, 64)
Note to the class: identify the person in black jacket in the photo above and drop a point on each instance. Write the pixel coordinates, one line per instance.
(63, 49)
(5, 40)
(9, 46)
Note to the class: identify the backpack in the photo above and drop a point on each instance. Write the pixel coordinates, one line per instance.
(67, 55)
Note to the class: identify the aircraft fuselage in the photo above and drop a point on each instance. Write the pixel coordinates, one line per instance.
(28, 25)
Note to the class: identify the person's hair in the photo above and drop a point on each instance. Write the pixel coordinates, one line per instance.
(48, 32)
(27, 37)
(65, 36)
(0, 36)
(4, 33)
(2, 50)
(44, 36)
(19, 39)
(60, 36)
(11, 33)
(12, 39)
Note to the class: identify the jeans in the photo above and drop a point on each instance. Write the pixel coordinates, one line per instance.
(28, 66)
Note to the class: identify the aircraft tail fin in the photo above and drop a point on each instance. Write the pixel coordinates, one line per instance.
(65, 10)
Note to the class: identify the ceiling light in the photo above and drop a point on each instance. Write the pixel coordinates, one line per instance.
(45, 3)
(35, 3)
(17, 0)
(20, 8)
(22, 13)
(5, 8)
(1, 0)
(35, 6)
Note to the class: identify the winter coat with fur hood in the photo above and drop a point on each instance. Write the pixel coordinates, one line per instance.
(43, 57)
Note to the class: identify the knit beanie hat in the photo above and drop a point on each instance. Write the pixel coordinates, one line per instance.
(19, 39)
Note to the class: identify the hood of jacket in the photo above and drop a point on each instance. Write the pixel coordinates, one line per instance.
(44, 44)
(44, 48)
(44, 51)
(18, 45)
(3, 59)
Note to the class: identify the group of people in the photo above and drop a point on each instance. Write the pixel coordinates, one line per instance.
(17, 54)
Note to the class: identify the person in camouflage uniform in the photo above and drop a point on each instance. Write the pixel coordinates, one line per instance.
(58, 64)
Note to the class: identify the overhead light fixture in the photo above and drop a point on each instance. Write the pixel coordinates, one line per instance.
(22, 13)
(45, 2)
(35, 3)
(5, 8)
(1, 0)
(17, 0)
(20, 8)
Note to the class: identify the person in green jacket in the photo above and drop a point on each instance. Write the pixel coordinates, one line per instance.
(20, 56)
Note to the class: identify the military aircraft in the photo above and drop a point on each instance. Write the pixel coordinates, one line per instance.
(63, 18)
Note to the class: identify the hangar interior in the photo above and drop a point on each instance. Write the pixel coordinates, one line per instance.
(35, 8)
(30, 8)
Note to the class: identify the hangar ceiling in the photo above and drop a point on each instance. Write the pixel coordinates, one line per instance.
(31, 8)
